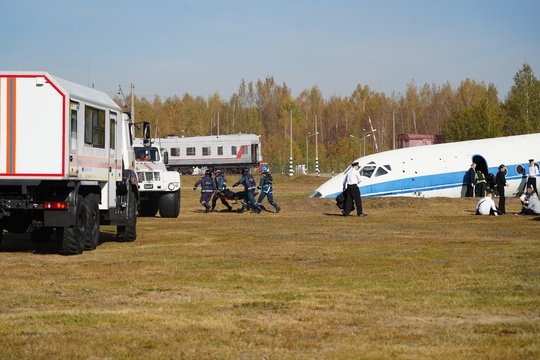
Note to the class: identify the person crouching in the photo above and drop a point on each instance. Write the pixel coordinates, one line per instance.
(486, 205)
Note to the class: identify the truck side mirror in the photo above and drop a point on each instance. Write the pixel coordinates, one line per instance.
(165, 157)
(147, 141)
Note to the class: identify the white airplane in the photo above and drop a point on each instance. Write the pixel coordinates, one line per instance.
(440, 170)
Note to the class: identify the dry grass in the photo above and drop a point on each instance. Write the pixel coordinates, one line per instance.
(415, 279)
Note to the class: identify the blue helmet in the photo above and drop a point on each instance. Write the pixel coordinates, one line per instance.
(208, 172)
(245, 171)
(264, 168)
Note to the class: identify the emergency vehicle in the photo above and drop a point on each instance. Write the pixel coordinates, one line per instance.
(66, 161)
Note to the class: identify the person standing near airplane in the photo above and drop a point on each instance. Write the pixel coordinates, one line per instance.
(352, 191)
(533, 172)
(471, 179)
(500, 180)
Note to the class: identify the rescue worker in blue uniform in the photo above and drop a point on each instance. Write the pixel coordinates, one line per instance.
(221, 186)
(267, 189)
(249, 187)
(207, 189)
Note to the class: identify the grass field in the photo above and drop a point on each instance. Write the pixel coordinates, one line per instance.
(417, 278)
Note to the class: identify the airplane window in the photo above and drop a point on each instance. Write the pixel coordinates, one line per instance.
(380, 172)
(388, 167)
(519, 169)
(367, 170)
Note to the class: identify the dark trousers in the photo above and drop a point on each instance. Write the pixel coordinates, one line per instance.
(502, 199)
(481, 189)
(532, 181)
(470, 191)
(352, 194)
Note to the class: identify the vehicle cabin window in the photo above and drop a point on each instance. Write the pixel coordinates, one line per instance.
(519, 169)
(146, 154)
(94, 127)
(220, 150)
(245, 150)
(112, 134)
(175, 151)
(206, 151)
(388, 167)
(367, 170)
(73, 124)
(190, 151)
(233, 150)
(380, 172)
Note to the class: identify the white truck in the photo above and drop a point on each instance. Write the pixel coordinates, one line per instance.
(159, 188)
(66, 161)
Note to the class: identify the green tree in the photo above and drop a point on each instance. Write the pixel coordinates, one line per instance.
(523, 103)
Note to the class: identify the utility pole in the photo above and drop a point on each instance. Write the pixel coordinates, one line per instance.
(316, 148)
(291, 172)
(393, 130)
(374, 137)
(218, 123)
(132, 103)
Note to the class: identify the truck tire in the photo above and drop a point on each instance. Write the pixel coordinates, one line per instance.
(72, 238)
(148, 207)
(92, 235)
(128, 232)
(169, 204)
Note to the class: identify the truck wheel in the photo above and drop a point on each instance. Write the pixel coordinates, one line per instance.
(92, 234)
(148, 207)
(129, 231)
(169, 204)
(72, 238)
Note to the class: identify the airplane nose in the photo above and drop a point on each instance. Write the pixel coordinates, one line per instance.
(316, 195)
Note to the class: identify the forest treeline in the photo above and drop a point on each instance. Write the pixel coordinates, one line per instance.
(473, 110)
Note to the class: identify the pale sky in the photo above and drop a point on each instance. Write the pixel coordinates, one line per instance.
(200, 47)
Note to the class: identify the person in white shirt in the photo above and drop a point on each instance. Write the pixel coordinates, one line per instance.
(531, 178)
(352, 191)
(486, 205)
(530, 203)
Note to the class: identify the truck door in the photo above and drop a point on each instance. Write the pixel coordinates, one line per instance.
(115, 162)
(73, 143)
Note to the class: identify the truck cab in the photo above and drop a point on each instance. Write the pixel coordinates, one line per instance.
(159, 188)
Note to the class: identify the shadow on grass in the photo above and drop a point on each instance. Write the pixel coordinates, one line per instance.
(42, 245)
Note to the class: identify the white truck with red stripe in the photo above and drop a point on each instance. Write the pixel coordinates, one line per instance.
(159, 188)
(66, 161)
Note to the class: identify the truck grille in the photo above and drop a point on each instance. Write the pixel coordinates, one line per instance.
(149, 176)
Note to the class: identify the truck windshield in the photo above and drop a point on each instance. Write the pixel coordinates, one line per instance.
(146, 154)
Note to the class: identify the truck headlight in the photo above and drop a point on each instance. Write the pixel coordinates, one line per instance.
(172, 186)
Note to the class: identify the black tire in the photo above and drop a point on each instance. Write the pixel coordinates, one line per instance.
(72, 238)
(148, 207)
(128, 232)
(92, 235)
(169, 204)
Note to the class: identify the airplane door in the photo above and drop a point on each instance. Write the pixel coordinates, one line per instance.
(114, 167)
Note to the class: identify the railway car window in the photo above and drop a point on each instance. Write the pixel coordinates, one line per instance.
(220, 150)
(94, 127)
(206, 151)
(233, 150)
(190, 151)
(175, 151)
(245, 149)
(380, 172)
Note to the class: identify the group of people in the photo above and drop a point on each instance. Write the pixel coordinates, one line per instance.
(486, 205)
(215, 188)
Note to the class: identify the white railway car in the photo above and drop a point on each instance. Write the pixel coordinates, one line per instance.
(223, 151)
